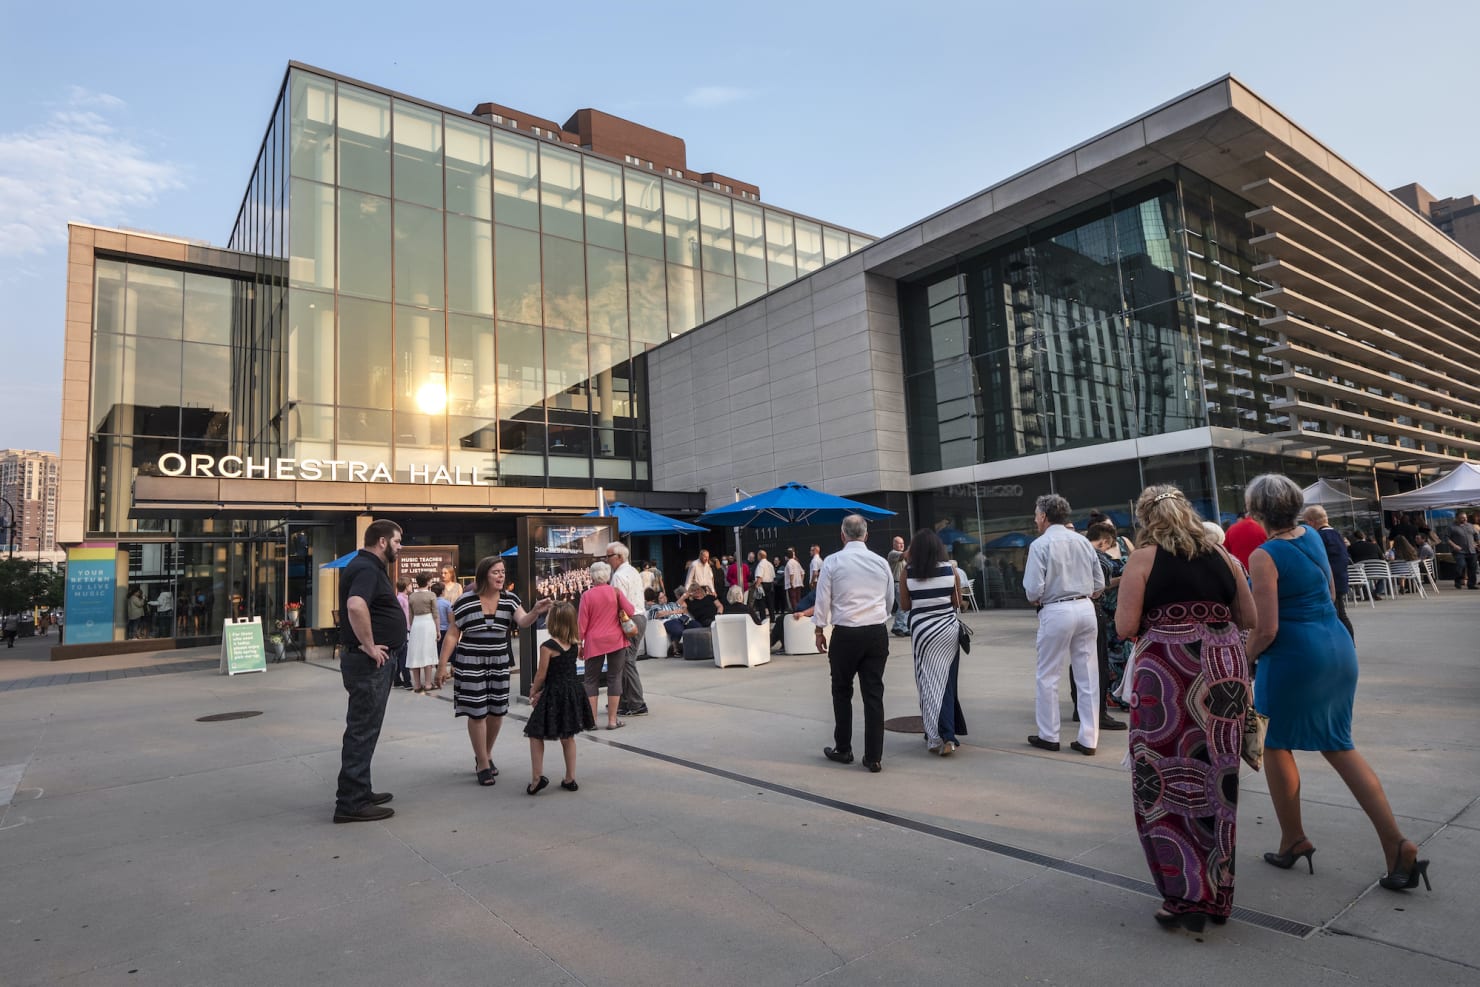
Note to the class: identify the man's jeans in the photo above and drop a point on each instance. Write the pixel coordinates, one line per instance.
(403, 674)
(1464, 569)
(901, 615)
(368, 686)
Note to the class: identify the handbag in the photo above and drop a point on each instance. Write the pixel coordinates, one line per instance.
(625, 621)
(1256, 724)
(964, 636)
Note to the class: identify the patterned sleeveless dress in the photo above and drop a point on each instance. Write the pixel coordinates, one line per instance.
(1190, 693)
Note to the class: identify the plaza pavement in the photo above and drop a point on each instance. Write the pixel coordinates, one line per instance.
(710, 843)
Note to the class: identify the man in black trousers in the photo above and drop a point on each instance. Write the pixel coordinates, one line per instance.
(854, 590)
(374, 628)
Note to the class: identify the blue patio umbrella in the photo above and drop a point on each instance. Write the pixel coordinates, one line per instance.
(955, 536)
(790, 503)
(1015, 539)
(340, 562)
(636, 521)
(510, 552)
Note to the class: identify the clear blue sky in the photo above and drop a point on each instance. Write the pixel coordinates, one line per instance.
(868, 114)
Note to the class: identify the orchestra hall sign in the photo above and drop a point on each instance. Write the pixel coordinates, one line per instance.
(348, 470)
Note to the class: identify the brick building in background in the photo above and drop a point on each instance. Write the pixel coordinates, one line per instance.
(28, 483)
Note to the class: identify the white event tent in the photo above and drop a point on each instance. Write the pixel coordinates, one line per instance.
(1461, 488)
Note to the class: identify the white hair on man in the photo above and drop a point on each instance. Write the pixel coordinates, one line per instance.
(618, 549)
(855, 528)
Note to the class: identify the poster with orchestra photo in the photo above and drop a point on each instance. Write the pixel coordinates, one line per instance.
(555, 559)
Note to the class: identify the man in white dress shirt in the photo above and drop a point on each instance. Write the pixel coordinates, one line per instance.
(628, 581)
(700, 571)
(765, 575)
(794, 577)
(1062, 578)
(814, 567)
(854, 590)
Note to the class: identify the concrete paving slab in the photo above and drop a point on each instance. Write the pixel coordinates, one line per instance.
(710, 842)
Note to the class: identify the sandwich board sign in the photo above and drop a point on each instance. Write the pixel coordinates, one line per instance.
(241, 646)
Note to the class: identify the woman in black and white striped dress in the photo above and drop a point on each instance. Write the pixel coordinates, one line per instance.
(929, 591)
(479, 644)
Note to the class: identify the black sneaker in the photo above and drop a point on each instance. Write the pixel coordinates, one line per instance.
(639, 711)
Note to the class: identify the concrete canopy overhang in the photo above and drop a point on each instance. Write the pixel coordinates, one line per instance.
(1221, 131)
(183, 496)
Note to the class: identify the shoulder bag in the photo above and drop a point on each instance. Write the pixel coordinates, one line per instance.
(624, 619)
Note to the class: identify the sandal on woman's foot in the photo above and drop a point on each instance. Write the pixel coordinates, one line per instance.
(570, 786)
(535, 787)
(485, 777)
(617, 725)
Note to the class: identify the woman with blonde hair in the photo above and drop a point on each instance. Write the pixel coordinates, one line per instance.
(1307, 680)
(1185, 598)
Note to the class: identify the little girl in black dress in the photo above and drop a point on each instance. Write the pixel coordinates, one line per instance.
(560, 710)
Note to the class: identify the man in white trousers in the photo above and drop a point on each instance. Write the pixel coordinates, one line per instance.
(1062, 579)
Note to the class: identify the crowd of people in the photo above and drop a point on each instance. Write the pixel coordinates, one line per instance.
(1190, 629)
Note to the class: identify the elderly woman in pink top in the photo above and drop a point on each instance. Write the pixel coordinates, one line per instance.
(602, 640)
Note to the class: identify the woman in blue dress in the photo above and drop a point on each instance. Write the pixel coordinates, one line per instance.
(1306, 680)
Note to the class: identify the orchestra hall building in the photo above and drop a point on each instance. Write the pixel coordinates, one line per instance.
(457, 319)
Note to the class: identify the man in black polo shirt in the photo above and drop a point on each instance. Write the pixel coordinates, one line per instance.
(374, 626)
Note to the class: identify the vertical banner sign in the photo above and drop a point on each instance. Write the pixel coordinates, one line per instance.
(92, 587)
(241, 646)
(555, 556)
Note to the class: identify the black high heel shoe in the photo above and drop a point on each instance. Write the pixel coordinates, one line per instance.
(1286, 859)
(1191, 921)
(1402, 879)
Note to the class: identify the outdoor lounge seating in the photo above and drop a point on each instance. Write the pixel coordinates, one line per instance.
(739, 640)
(655, 639)
(798, 637)
(697, 644)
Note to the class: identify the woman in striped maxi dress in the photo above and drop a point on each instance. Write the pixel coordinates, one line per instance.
(928, 590)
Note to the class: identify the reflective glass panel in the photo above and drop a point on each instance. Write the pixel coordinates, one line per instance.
(469, 265)
(644, 214)
(418, 431)
(208, 309)
(364, 140)
(205, 381)
(564, 283)
(311, 347)
(364, 354)
(748, 291)
(108, 299)
(681, 224)
(521, 363)
(604, 226)
(647, 291)
(719, 295)
(472, 387)
(567, 379)
(155, 302)
(750, 243)
(834, 244)
(469, 168)
(516, 180)
(516, 277)
(781, 254)
(418, 144)
(367, 426)
(809, 246)
(311, 236)
(312, 140)
(155, 369)
(717, 234)
(418, 256)
(683, 299)
(560, 192)
(364, 244)
(606, 278)
(108, 411)
(420, 361)
(856, 242)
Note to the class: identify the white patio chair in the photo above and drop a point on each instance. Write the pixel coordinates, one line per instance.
(1408, 572)
(1380, 576)
(1357, 584)
(1426, 568)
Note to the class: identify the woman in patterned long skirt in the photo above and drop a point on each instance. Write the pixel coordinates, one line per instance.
(929, 591)
(478, 644)
(1186, 599)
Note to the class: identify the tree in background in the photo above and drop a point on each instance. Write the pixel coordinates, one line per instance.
(23, 585)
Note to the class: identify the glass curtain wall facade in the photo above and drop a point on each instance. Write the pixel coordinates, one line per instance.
(462, 295)
(1133, 316)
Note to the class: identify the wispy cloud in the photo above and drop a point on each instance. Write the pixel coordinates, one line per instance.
(74, 166)
(707, 96)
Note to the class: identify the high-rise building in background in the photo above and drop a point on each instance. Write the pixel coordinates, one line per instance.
(28, 484)
(1457, 216)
